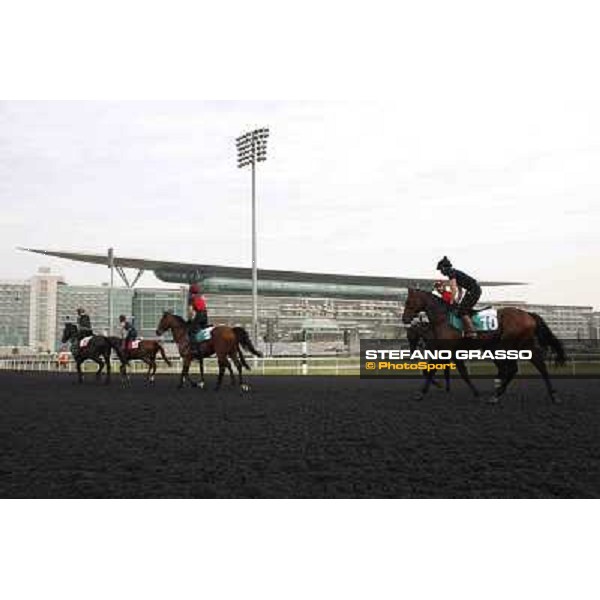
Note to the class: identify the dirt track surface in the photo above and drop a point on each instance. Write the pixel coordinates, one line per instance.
(294, 437)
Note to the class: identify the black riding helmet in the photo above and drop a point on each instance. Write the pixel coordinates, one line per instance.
(444, 265)
(122, 318)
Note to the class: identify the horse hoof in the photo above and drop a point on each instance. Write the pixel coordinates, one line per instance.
(556, 398)
(244, 387)
(193, 384)
(493, 399)
(419, 396)
(202, 385)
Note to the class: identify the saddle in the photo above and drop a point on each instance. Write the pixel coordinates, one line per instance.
(474, 311)
(203, 335)
(485, 320)
(83, 342)
(133, 344)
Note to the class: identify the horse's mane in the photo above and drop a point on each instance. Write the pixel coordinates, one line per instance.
(179, 319)
(441, 304)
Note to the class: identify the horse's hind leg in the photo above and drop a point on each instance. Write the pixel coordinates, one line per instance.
(231, 375)
(108, 366)
(100, 364)
(238, 364)
(151, 365)
(223, 364)
(433, 380)
(538, 361)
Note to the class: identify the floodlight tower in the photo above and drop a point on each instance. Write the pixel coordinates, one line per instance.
(251, 149)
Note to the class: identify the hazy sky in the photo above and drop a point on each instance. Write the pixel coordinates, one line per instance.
(506, 185)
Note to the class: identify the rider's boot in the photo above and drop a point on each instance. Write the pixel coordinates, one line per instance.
(469, 330)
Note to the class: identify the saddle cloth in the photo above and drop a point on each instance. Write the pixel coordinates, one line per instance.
(483, 320)
(203, 334)
(85, 341)
(133, 344)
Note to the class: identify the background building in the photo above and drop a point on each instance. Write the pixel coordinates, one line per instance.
(14, 315)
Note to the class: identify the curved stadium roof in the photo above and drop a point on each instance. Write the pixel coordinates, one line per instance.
(235, 279)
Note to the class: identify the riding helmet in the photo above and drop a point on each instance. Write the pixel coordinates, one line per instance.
(444, 264)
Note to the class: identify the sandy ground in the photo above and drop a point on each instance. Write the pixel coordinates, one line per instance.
(294, 437)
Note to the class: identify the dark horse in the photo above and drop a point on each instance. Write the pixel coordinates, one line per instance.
(145, 351)
(97, 349)
(419, 334)
(517, 329)
(226, 342)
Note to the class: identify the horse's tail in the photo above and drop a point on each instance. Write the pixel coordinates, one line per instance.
(548, 340)
(163, 354)
(245, 342)
(115, 344)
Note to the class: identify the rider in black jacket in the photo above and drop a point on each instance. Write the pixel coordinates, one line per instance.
(466, 292)
(84, 325)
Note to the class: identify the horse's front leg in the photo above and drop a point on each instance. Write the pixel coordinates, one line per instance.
(79, 371)
(462, 369)
(185, 370)
(507, 369)
(108, 367)
(428, 381)
(202, 383)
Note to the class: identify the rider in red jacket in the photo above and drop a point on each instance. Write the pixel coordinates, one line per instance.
(197, 308)
(444, 289)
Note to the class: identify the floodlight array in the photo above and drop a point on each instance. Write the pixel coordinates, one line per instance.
(252, 147)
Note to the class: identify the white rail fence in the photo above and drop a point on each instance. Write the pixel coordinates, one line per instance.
(264, 366)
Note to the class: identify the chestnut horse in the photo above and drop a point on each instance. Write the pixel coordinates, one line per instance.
(226, 342)
(517, 329)
(145, 351)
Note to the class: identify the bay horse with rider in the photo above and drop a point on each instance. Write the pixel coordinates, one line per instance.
(225, 342)
(516, 329)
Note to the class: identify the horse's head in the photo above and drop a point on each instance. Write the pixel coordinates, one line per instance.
(415, 303)
(165, 323)
(69, 332)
